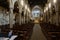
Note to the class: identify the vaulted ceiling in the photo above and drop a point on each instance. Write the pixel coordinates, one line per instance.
(32, 3)
(37, 2)
(4, 3)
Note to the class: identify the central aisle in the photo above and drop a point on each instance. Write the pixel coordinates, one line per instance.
(37, 33)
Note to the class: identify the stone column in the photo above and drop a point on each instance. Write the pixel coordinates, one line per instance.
(45, 16)
(50, 15)
(11, 17)
(20, 11)
(11, 13)
(24, 19)
(27, 16)
(56, 9)
(0, 30)
(24, 15)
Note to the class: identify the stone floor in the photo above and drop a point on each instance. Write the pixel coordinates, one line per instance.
(37, 33)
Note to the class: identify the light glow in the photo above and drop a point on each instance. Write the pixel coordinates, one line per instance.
(41, 19)
(7, 12)
(54, 1)
(25, 6)
(28, 10)
(36, 21)
(46, 9)
(17, 7)
(22, 2)
(49, 5)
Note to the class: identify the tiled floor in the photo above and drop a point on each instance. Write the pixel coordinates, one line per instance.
(37, 33)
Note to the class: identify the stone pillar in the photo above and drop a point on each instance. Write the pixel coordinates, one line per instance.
(56, 9)
(50, 15)
(11, 13)
(27, 16)
(24, 15)
(21, 20)
(0, 30)
(45, 17)
(20, 11)
(11, 17)
(20, 16)
(51, 12)
(24, 18)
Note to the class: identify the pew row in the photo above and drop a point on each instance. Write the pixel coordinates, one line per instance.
(23, 31)
(51, 31)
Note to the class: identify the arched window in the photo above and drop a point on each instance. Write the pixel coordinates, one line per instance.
(36, 12)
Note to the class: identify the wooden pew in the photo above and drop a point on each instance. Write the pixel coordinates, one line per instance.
(23, 31)
(51, 30)
(54, 35)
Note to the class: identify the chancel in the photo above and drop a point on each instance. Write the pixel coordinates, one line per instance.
(29, 19)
